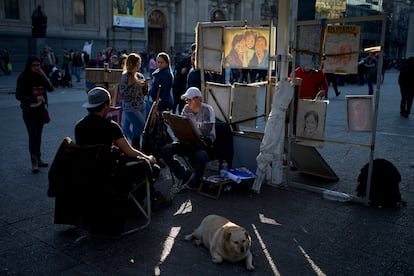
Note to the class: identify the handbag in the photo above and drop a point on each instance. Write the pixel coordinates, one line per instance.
(46, 115)
(9, 67)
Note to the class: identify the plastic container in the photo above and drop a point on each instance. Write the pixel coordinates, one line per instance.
(336, 196)
(223, 169)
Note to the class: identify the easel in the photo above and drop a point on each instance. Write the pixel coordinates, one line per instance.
(108, 79)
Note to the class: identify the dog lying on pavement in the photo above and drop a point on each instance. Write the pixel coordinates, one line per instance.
(225, 240)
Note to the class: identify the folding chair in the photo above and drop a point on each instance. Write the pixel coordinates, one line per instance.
(87, 193)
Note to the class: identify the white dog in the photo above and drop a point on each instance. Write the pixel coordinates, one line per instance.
(225, 240)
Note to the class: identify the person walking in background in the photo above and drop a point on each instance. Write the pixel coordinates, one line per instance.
(5, 64)
(406, 89)
(152, 65)
(65, 59)
(31, 90)
(180, 79)
(371, 72)
(77, 64)
(331, 78)
(163, 77)
(132, 89)
(48, 60)
(361, 71)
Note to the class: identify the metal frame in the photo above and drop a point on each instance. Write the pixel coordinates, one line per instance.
(371, 146)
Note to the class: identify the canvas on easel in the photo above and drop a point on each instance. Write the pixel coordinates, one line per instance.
(184, 129)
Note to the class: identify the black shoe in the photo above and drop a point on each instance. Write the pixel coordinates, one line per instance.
(337, 94)
(186, 178)
(159, 202)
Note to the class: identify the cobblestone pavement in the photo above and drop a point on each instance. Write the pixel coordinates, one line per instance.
(294, 231)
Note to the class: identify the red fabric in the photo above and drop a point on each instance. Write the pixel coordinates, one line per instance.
(311, 83)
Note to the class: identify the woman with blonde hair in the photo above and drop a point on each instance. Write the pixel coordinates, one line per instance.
(132, 89)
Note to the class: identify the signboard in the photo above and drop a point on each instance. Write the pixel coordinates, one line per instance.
(341, 49)
(128, 13)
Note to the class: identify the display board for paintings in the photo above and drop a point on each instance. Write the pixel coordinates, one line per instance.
(308, 45)
(360, 113)
(103, 75)
(210, 52)
(106, 78)
(219, 97)
(341, 48)
(245, 98)
(309, 161)
(251, 41)
(184, 129)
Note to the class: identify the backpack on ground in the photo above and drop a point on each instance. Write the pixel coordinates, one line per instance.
(385, 189)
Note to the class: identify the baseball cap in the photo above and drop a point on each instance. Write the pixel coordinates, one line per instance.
(191, 92)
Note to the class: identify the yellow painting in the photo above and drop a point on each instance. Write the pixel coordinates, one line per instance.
(247, 48)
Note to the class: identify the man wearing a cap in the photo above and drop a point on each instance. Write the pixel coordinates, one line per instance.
(203, 117)
(95, 128)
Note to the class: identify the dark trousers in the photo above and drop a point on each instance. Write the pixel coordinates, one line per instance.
(199, 156)
(406, 100)
(33, 119)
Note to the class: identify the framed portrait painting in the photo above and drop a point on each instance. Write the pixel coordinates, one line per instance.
(360, 113)
(247, 48)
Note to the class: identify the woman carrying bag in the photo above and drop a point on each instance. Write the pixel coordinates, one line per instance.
(31, 90)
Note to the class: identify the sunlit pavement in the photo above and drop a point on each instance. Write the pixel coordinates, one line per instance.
(294, 232)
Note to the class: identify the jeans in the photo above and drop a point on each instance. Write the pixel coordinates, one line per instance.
(198, 155)
(76, 71)
(33, 119)
(137, 119)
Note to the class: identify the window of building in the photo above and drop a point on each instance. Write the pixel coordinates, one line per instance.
(79, 11)
(11, 9)
(217, 16)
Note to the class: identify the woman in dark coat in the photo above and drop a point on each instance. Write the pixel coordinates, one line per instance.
(31, 90)
(163, 77)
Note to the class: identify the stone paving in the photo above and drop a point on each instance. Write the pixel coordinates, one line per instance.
(294, 231)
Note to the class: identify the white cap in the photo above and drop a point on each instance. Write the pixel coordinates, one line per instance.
(191, 92)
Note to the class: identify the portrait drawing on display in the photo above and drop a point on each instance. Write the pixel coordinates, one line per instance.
(359, 113)
(310, 122)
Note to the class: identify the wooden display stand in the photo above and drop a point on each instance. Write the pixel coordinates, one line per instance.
(213, 189)
(108, 79)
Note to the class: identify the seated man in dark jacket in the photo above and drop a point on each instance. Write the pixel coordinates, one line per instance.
(95, 128)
